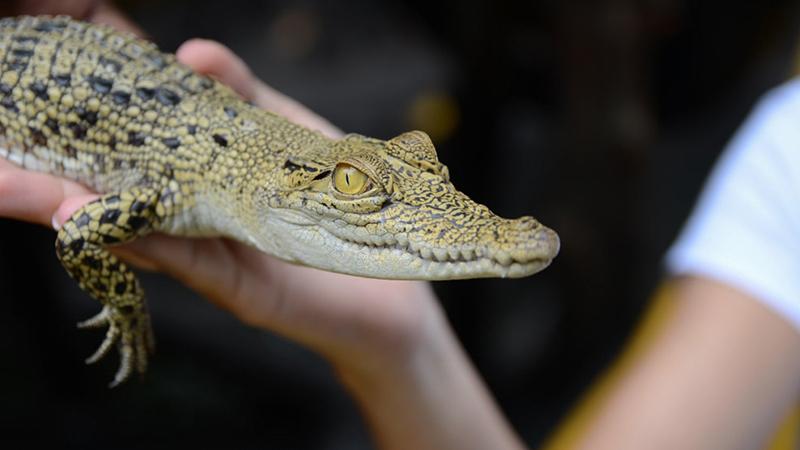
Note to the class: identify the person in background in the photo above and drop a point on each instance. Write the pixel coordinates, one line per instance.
(716, 364)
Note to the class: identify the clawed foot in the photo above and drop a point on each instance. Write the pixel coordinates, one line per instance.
(129, 327)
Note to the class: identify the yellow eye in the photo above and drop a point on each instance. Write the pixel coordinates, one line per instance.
(349, 180)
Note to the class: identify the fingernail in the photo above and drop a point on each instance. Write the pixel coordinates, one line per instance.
(55, 223)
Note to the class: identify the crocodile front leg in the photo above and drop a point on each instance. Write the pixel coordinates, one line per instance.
(81, 247)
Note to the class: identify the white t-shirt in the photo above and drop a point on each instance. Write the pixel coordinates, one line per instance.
(745, 229)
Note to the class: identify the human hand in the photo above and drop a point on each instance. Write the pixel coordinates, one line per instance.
(98, 11)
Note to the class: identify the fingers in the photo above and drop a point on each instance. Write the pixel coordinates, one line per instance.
(268, 98)
(106, 13)
(99, 11)
(205, 265)
(233, 276)
(68, 207)
(215, 59)
(32, 196)
(219, 61)
(151, 253)
(74, 8)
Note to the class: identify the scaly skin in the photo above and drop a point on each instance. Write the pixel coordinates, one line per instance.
(176, 152)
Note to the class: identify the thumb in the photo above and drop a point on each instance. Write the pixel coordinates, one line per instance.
(68, 207)
(212, 58)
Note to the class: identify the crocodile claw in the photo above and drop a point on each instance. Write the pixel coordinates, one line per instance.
(130, 330)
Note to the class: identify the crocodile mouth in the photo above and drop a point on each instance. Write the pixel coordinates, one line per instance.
(332, 244)
(408, 259)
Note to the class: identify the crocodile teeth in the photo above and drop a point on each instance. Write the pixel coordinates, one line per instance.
(402, 240)
(425, 252)
(520, 256)
(440, 254)
(449, 257)
(361, 233)
(502, 257)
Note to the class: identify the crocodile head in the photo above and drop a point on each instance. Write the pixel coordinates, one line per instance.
(387, 209)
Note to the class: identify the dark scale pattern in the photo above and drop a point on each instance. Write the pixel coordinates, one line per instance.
(121, 97)
(40, 89)
(79, 246)
(112, 112)
(176, 152)
(101, 92)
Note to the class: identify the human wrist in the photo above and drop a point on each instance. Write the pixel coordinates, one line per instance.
(400, 389)
(427, 395)
(386, 349)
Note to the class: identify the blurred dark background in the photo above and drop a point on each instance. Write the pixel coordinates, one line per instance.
(599, 118)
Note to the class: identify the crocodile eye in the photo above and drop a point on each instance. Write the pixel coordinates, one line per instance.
(349, 180)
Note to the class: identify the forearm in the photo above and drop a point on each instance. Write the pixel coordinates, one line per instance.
(430, 398)
(720, 376)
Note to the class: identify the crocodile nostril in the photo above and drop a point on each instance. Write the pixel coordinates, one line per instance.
(525, 223)
(549, 238)
(545, 234)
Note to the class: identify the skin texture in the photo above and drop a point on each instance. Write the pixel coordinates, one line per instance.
(179, 153)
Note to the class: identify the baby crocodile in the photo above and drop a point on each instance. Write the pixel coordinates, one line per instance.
(176, 152)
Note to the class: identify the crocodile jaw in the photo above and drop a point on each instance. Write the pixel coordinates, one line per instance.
(348, 249)
(405, 262)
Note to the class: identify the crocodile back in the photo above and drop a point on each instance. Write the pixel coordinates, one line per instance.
(105, 108)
